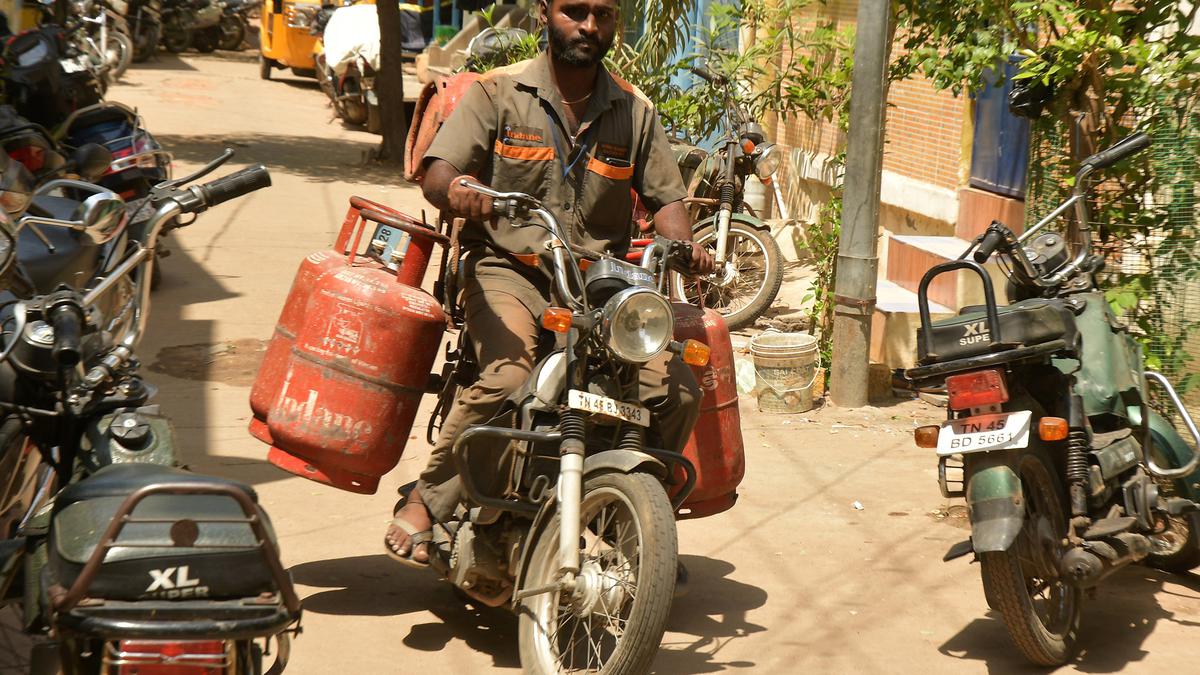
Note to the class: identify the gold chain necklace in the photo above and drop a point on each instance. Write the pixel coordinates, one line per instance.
(578, 100)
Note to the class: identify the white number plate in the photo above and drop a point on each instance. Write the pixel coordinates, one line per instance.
(609, 407)
(71, 66)
(984, 433)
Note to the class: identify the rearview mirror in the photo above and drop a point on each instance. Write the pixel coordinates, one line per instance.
(91, 161)
(100, 216)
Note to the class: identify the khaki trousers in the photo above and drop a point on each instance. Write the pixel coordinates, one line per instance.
(504, 334)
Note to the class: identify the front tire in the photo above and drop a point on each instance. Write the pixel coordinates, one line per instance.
(753, 275)
(233, 33)
(624, 589)
(1040, 609)
(177, 41)
(119, 54)
(264, 67)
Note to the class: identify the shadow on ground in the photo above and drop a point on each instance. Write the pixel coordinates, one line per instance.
(315, 158)
(1115, 625)
(713, 612)
(375, 585)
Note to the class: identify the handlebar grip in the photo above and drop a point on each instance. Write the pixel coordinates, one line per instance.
(1126, 147)
(235, 185)
(67, 320)
(991, 241)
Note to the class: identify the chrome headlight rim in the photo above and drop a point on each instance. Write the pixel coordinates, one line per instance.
(612, 310)
(767, 158)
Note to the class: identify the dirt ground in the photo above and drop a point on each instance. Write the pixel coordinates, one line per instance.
(830, 562)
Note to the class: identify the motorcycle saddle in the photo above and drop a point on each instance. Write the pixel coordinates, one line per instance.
(175, 546)
(1023, 324)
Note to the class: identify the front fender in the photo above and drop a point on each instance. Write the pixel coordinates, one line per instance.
(1174, 451)
(747, 220)
(624, 461)
(995, 504)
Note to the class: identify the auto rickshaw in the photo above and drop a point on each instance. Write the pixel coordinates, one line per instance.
(286, 38)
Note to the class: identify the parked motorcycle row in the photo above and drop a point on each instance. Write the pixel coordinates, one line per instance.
(112, 558)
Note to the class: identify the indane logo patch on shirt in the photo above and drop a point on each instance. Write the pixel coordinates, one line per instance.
(523, 134)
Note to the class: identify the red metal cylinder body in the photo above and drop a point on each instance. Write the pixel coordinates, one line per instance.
(269, 380)
(715, 446)
(274, 364)
(355, 377)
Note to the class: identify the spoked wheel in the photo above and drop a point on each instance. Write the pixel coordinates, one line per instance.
(613, 621)
(21, 471)
(1040, 609)
(118, 53)
(177, 40)
(749, 282)
(146, 42)
(205, 41)
(233, 33)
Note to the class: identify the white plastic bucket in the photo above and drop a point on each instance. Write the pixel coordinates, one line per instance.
(785, 365)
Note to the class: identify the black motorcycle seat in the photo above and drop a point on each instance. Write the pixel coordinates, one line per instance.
(72, 261)
(1023, 324)
(175, 546)
(122, 480)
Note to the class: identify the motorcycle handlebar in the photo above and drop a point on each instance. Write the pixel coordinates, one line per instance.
(234, 185)
(67, 320)
(1126, 147)
(991, 241)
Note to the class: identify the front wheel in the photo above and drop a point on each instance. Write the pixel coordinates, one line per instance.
(119, 54)
(614, 620)
(264, 67)
(749, 282)
(176, 40)
(1040, 609)
(233, 32)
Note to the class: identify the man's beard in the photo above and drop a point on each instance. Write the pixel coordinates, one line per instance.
(569, 53)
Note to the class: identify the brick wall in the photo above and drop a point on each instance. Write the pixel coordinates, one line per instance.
(924, 137)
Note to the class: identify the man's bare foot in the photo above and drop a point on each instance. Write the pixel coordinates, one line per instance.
(399, 539)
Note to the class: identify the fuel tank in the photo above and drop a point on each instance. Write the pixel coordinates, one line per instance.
(342, 394)
(715, 446)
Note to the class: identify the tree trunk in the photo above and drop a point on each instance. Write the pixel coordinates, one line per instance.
(389, 83)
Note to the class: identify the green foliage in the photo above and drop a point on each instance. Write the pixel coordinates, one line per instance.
(1111, 69)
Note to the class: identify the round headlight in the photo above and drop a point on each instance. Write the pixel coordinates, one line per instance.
(767, 161)
(638, 324)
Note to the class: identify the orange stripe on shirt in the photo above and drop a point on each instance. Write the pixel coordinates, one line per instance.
(521, 152)
(609, 171)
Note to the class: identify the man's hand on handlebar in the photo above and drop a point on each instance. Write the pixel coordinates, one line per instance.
(702, 262)
(468, 203)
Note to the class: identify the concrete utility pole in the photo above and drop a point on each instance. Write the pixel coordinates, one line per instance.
(858, 261)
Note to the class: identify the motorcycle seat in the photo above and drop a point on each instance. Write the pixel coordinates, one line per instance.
(1023, 324)
(195, 548)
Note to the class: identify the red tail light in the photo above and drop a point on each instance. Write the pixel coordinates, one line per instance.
(159, 657)
(976, 390)
(33, 157)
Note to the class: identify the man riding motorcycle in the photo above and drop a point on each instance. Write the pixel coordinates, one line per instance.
(562, 128)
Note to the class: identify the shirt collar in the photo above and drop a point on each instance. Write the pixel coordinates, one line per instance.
(537, 76)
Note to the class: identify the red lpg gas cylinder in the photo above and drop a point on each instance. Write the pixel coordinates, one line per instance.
(715, 447)
(270, 374)
(355, 375)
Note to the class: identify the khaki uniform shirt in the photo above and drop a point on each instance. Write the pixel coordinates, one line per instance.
(509, 131)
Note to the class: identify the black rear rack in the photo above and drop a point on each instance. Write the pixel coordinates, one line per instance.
(249, 617)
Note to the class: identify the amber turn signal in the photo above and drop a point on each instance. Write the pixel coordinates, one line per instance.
(695, 353)
(926, 436)
(1052, 429)
(556, 319)
(748, 146)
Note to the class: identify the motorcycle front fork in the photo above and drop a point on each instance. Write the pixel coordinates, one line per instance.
(724, 216)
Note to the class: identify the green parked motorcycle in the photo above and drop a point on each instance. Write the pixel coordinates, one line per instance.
(1068, 473)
